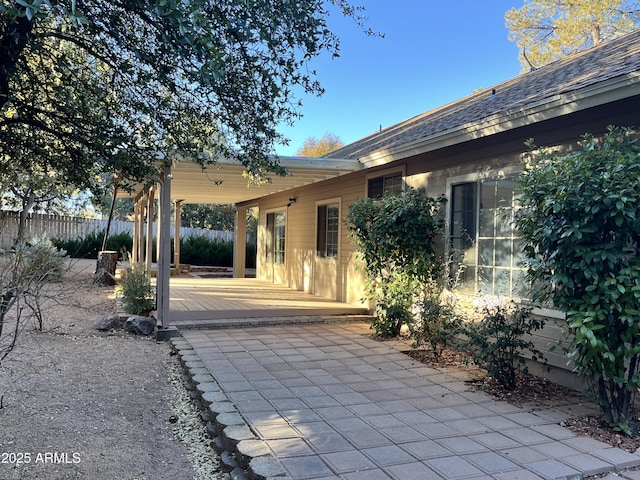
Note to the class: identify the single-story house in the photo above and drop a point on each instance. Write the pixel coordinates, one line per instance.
(470, 150)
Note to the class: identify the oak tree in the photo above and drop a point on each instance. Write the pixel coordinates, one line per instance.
(113, 86)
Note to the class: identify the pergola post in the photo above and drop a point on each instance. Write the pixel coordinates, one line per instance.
(141, 227)
(240, 243)
(149, 240)
(136, 220)
(159, 188)
(164, 253)
(176, 235)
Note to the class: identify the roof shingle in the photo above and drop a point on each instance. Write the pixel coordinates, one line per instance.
(611, 59)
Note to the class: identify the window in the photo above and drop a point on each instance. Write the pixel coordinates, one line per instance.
(383, 185)
(327, 228)
(275, 241)
(483, 238)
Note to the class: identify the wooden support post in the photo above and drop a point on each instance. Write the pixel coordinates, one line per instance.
(240, 243)
(176, 235)
(141, 229)
(150, 213)
(164, 255)
(136, 219)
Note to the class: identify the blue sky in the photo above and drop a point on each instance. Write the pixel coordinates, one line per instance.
(433, 53)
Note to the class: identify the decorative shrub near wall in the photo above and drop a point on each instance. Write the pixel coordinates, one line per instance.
(580, 221)
(89, 246)
(398, 237)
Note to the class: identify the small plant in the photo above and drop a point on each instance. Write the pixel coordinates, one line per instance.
(393, 304)
(43, 258)
(497, 342)
(138, 295)
(438, 324)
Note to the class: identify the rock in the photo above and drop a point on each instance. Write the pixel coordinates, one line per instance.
(140, 325)
(109, 322)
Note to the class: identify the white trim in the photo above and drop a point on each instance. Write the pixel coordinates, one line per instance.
(473, 177)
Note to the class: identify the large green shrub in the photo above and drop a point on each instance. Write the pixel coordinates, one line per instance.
(580, 221)
(195, 250)
(200, 250)
(397, 236)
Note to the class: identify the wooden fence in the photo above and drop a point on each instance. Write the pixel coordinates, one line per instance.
(65, 228)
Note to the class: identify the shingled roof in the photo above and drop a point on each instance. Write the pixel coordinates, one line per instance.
(612, 59)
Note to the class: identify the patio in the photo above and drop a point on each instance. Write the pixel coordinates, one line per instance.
(223, 302)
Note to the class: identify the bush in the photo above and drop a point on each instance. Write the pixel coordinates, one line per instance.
(200, 250)
(397, 236)
(42, 258)
(195, 250)
(89, 246)
(393, 305)
(497, 342)
(579, 222)
(438, 324)
(138, 295)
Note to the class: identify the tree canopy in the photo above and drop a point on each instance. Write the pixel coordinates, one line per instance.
(315, 148)
(546, 30)
(112, 86)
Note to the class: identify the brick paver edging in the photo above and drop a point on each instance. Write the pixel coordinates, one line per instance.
(242, 454)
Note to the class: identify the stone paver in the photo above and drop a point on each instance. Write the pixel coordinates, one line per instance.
(327, 401)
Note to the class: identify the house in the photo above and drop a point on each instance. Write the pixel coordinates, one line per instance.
(469, 150)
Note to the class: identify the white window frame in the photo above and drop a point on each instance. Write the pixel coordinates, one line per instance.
(478, 178)
(270, 253)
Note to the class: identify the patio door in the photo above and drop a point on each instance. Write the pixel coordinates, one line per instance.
(275, 246)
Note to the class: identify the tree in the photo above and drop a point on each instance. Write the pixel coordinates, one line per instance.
(579, 224)
(112, 86)
(319, 148)
(212, 217)
(546, 30)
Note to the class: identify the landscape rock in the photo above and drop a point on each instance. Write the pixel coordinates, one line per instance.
(140, 325)
(110, 322)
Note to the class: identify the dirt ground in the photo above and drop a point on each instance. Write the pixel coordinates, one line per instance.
(82, 404)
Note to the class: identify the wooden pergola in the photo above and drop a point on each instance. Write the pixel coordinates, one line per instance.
(185, 181)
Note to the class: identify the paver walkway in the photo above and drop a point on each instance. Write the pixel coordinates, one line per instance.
(331, 403)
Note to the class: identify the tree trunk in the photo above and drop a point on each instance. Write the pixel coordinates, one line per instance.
(27, 203)
(105, 274)
(113, 204)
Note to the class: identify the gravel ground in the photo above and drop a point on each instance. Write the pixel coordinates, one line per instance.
(82, 404)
